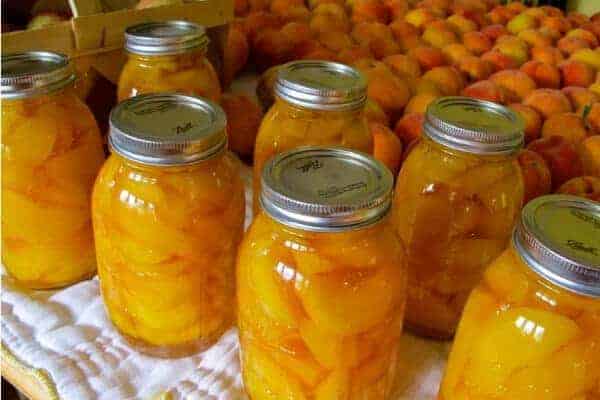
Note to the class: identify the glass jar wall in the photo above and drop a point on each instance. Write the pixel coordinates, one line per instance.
(321, 281)
(51, 153)
(168, 57)
(168, 217)
(457, 198)
(531, 328)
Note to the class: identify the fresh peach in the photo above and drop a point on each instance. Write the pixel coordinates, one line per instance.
(354, 54)
(426, 86)
(485, 90)
(568, 125)
(546, 54)
(577, 19)
(589, 152)
(513, 47)
(560, 24)
(461, 24)
(241, 8)
(588, 36)
(374, 113)
(438, 37)
(243, 119)
(419, 17)
(561, 157)
(493, 32)
(582, 186)
(569, 45)
(439, 8)
(536, 12)
(595, 17)
(428, 57)
(314, 50)
(468, 7)
(499, 60)
(476, 42)
(312, 4)
(595, 87)
(548, 102)
(500, 15)
(384, 87)
(330, 18)
(552, 11)
(370, 11)
(576, 73)
(387, 147)
(260, 21)
(335, 41)
(580, 98)
(258, 5)
(534, 37)
(409, 127)
(475, 68)
(537, 180)
(592, 118)
(456, 52)
(281, 7)
(532, 119)
(551, 33)
(516, 84)
(396, 8)
(419, 102)
(404, 66)
(377, 37)
(448, 79)
(588, 56)
(521, 22)
(516, 6)
(235, 53)
(401, 29)
(593, 27)
(544, 75)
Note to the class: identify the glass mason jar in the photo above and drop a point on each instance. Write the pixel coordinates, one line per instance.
(321, 281)
(51, 153)
(458, 195)
(168, 57)
(531, 328)
(168, 209)
(318, 103)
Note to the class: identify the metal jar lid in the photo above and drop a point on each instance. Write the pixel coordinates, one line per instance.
(167, 129)
(558, 236)
(321, 85)
(474, 126)
(34, 73)
(164, 38)
(326, 189)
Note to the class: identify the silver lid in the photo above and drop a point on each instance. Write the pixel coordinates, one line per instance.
(163, 38)
(325, 189)
(167, 129)
(474, 126)
(558, 237)
(321, 85)
(33, 73)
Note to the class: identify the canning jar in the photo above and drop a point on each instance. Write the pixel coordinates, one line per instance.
(51, 153)
(321, 280)
(318, 103)
(458, 195)
(168, 57)
(168, 210)
(531, 328)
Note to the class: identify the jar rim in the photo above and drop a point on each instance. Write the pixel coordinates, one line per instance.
(34, 73)
(165, 38)
(325, 189)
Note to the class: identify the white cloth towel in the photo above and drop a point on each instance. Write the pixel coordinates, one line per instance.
(67, 333)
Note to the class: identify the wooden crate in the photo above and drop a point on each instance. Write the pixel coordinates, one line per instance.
(94, 36)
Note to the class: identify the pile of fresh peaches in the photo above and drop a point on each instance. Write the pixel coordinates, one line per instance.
(541, 62)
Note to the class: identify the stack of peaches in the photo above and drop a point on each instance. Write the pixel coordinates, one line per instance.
(541, 62)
